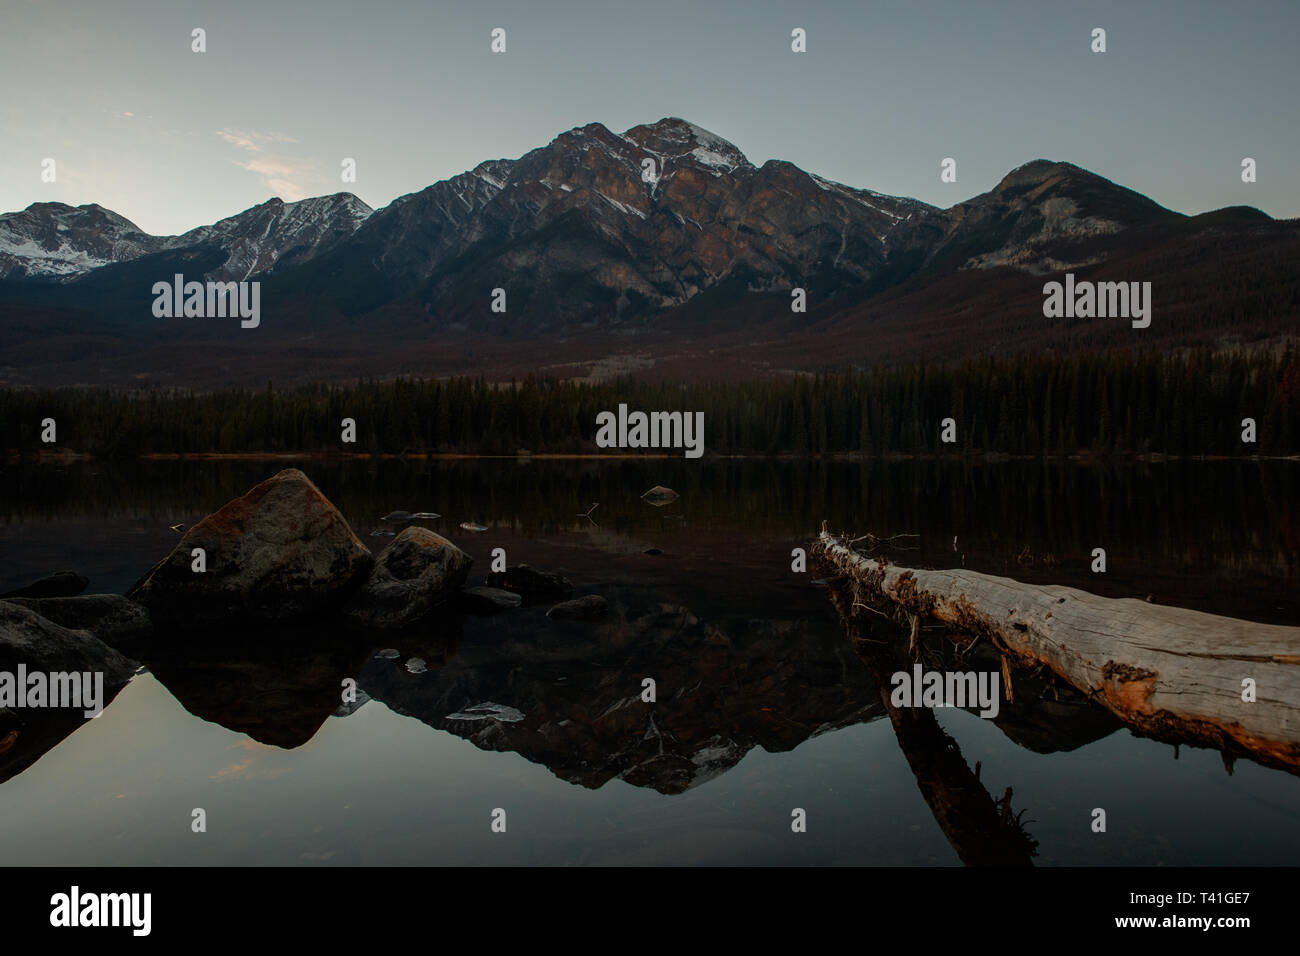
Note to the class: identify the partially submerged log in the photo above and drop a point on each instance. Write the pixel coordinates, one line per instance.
(984, 832)
(1168, 672)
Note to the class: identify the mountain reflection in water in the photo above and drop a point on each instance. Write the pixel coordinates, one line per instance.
(748, 659)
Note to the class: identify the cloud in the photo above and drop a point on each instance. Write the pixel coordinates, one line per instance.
(244, 768)
(274, 166)
(238, 139)
(288, 190)
(280, 173)
(253, 140)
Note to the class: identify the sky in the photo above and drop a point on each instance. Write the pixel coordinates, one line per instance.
(287, 89)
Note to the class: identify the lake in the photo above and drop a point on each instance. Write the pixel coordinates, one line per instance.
(764, 705)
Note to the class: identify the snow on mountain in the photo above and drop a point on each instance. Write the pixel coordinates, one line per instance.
(677, 140)
(604, 225)
(52, 240)
(278, 234)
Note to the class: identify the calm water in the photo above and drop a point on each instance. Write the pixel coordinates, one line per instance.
(763, 704)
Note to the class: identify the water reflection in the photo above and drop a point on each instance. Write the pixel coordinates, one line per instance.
(746, 656)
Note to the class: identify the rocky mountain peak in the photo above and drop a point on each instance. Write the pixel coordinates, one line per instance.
(1038, 171)
(675, 138)
(1043, 181)
(52, 240)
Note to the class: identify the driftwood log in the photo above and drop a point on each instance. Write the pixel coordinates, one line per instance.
(1168, 672)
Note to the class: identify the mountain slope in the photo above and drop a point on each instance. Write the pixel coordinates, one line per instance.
(52, 240)
(1042, 217)
(581, 230)
(686, 270)
(276, 234)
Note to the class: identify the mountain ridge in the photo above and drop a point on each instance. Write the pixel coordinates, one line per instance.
(662, 243)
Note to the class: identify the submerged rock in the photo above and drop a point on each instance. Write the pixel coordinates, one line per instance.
(589, 607)
(279, 552)
(113, 619)
(58, 584)
(659, 496)
(534, 586)
(410, 516)
(489, 711)
(417, 572)
(488, 600)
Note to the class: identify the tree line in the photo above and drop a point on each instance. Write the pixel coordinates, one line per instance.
(1120, 403)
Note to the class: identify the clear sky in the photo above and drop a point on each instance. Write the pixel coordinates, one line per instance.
(287, 89)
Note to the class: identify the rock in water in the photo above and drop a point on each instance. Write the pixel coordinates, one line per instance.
(489, 711)
(589, 607)
(61, 655)
(110, 617)
(659, 496)
(417, 572)
(488, 600)
(58, 584)
(27, 638)
(280, 552)
(534, 586)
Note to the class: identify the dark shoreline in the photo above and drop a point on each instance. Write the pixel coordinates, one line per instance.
(13, 456)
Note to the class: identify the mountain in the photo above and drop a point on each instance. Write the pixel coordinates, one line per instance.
(1043, 217)
(54, 241)
(575, 232)
(276, 234)
(51, 240)
(662, 247)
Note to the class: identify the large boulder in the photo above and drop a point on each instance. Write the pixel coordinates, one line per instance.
(416, 573)
(113, 619)
(280, 552)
